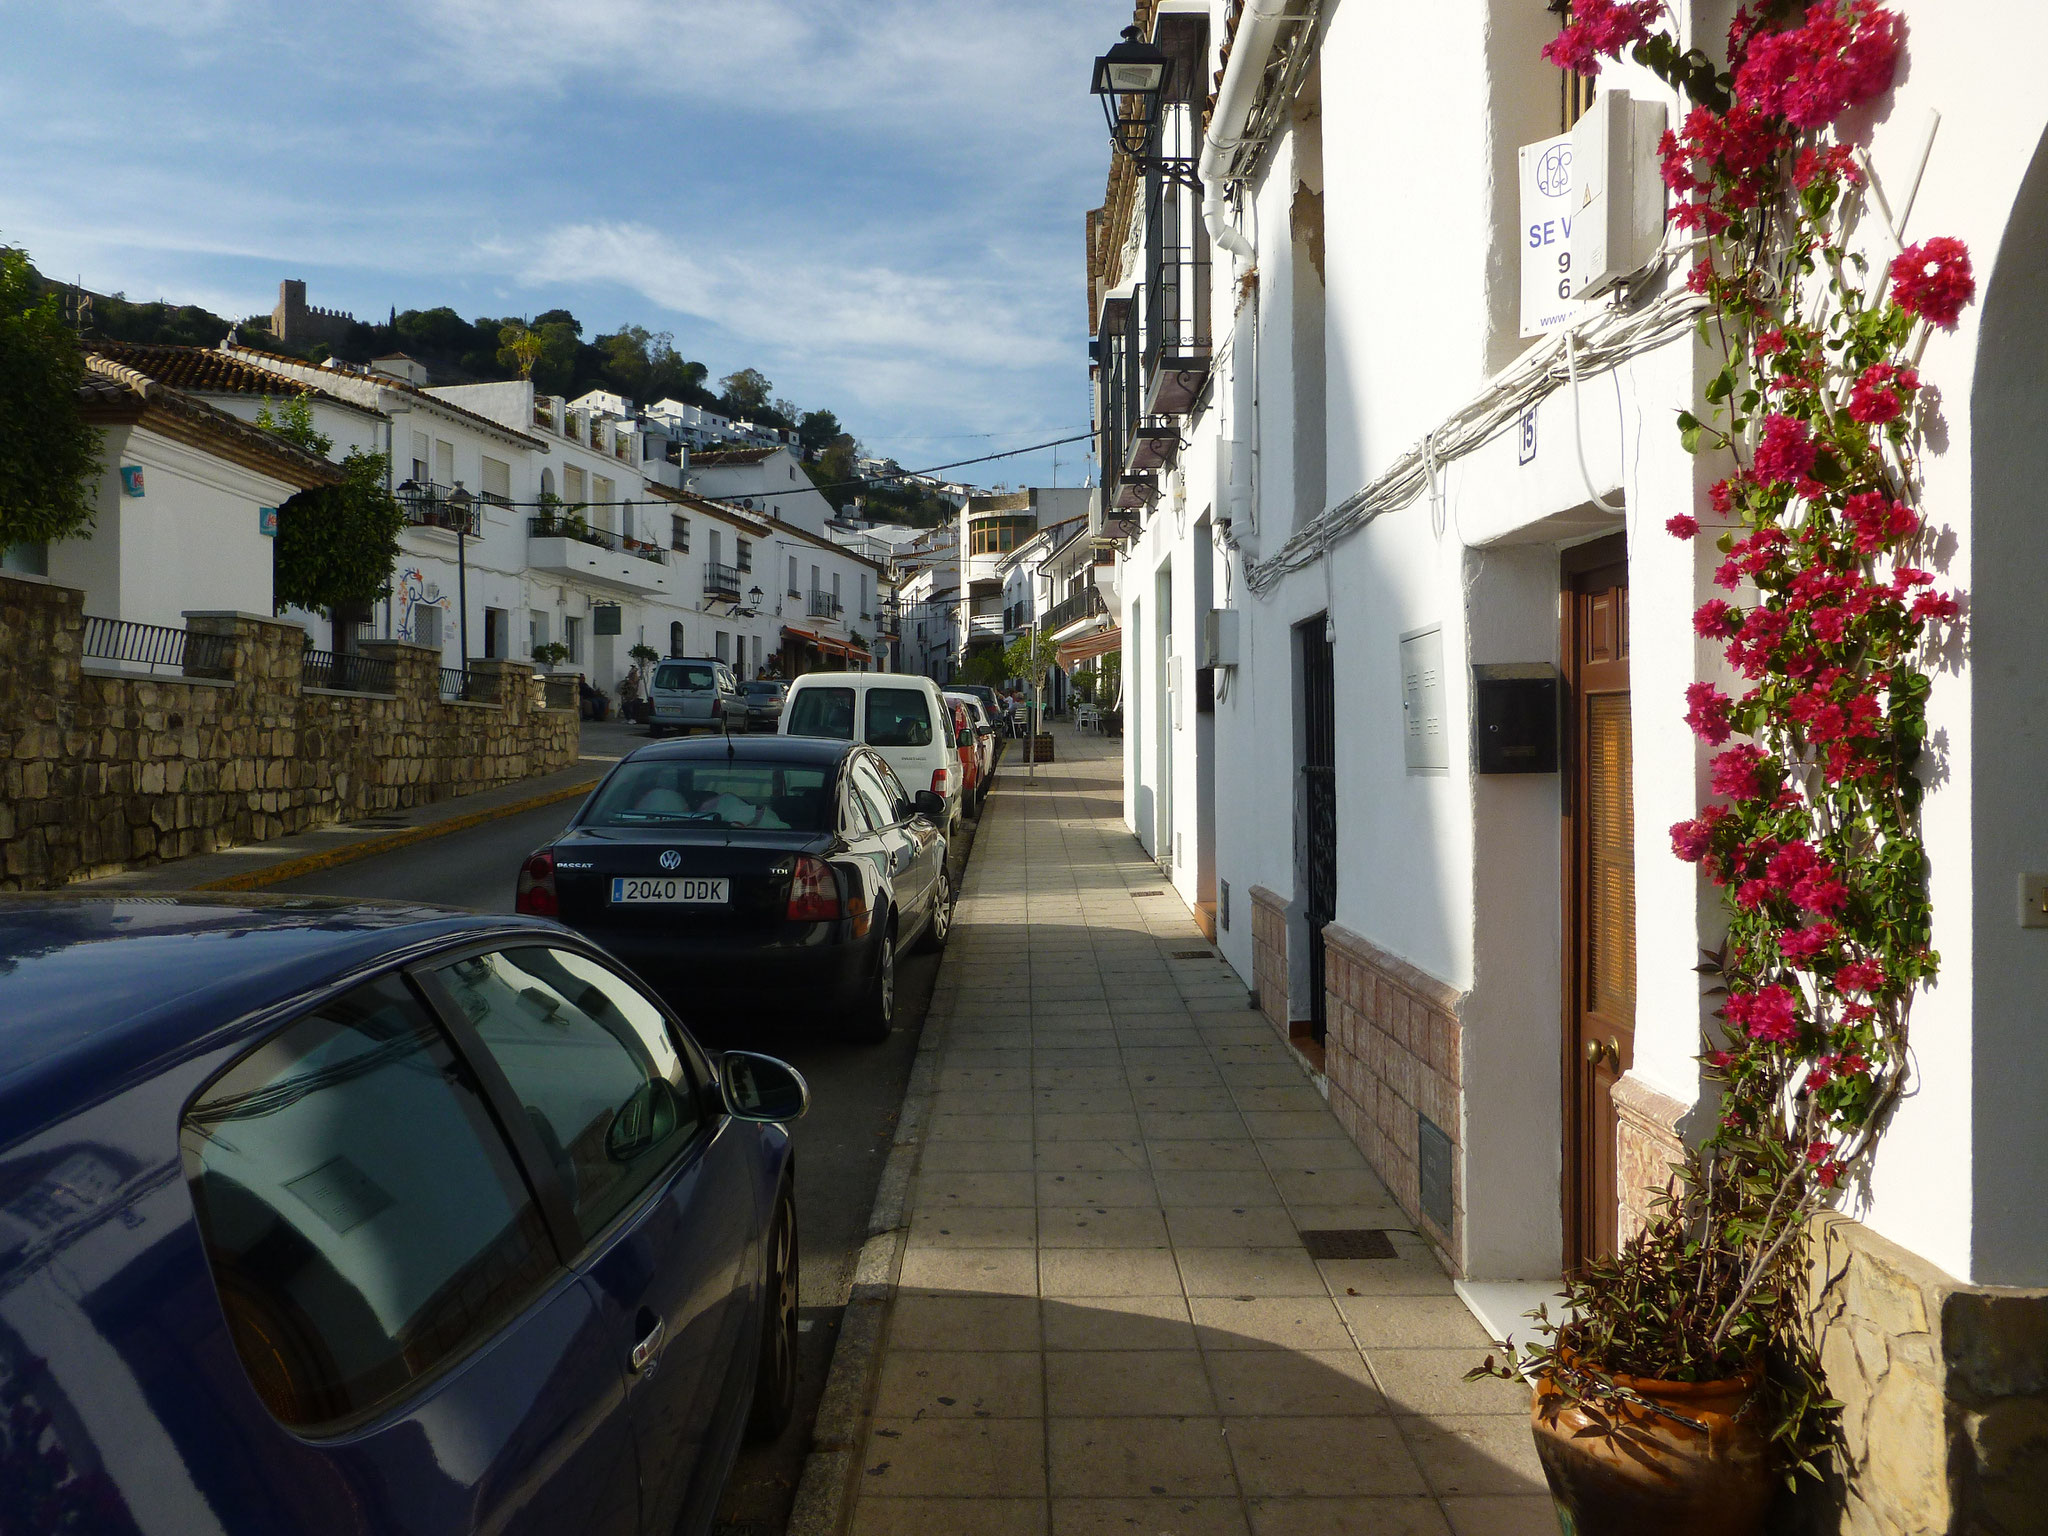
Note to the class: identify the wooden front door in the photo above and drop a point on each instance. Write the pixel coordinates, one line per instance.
(1600, 887)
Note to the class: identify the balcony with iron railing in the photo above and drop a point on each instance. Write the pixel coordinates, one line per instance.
(722, 581)
(824, 605)
(451, 510)
(552, 525)
(1084, 604)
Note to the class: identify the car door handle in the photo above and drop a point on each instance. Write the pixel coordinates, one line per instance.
(649, 1347)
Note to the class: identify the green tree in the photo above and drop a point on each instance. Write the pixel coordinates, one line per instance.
(335, 543)
(745, 393)
(1031, 657)
(815, 431)
(519, 348)
(835, 472)
(49, 457)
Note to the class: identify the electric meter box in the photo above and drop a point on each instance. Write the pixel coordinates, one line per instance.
(1617, 190)
(1514, 718)
(1219, 637)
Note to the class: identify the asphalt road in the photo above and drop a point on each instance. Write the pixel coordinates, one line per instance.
(840, 1145)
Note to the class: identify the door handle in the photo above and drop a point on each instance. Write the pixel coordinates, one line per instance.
(1607, 1050)
(649, 1346)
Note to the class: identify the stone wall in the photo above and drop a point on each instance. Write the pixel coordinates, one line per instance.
(1393, 1054)
(103, 771)
(1943, 1386)
(1269, 957)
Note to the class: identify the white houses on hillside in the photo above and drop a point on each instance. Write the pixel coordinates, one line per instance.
(771, 481)
(1324, 558)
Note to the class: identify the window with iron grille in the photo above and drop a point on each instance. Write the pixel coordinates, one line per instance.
(745, 559)
(679, 533)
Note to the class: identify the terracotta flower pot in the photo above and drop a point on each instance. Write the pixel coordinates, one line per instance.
(1618, 1468)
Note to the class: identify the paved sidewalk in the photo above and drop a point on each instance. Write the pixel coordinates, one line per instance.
(1106, 1320)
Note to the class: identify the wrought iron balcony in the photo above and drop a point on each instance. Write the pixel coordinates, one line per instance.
(1083, 604)
(722, 581)
(825, 606)
(550, 526)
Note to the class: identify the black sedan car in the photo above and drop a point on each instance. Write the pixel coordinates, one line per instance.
(754, 874)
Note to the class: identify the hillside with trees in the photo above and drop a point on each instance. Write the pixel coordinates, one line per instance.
(642, 365)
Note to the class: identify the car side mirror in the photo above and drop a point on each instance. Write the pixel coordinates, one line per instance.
(645, 1119)
(929, 804)
(757, 1087)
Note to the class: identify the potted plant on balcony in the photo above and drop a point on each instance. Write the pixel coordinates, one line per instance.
(1681, 1384)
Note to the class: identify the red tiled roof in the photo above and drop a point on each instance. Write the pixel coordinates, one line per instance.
(113, 391)
(392, 381)
(202, 370)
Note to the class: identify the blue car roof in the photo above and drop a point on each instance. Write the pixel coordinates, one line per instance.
(94, 989)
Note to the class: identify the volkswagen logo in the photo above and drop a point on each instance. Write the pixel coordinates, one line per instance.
(670, 859)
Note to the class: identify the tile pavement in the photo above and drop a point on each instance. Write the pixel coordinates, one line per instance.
(1106, 1321)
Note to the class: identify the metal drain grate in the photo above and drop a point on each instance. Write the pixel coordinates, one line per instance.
(380, 825)
(1194, 954)
(1349, 1243)
(1148, 893)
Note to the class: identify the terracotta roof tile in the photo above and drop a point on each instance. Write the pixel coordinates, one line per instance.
(116, 390)
(202, 370)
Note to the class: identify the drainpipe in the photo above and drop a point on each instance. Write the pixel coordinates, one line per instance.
(1234, 97)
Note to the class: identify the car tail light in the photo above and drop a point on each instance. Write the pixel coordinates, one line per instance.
(942, 779)
(717, 709)
(813, 893)
(537, 896)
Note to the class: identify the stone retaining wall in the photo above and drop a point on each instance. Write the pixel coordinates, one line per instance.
(102, 771)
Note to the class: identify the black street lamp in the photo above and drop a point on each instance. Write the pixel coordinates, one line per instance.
(459, 503)
(1130, 79)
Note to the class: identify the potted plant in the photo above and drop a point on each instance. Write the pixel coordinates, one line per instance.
(1680, 1386)
(551, 653)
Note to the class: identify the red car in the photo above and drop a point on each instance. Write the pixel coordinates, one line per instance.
(969, 753)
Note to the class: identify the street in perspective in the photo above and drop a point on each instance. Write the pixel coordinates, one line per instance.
(874, 770)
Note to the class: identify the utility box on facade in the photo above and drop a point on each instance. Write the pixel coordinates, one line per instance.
(1618, 190)
(1219, 637)
(1426, 746)
(1514, 718)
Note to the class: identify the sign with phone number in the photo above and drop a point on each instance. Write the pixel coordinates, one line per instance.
(1545, 236)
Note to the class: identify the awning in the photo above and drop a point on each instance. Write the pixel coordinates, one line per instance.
(1088, 647)
(826, 644)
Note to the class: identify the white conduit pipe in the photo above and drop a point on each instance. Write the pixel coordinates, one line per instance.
(1235, 96)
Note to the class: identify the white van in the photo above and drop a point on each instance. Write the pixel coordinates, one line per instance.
(901, 716)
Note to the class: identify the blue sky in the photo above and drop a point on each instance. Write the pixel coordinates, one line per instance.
(876, 202)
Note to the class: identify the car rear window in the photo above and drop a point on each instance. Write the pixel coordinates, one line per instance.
(363, 1219)
(821, 712)
(715, 793)
(685, 676)
(899, 717)
(762, 690)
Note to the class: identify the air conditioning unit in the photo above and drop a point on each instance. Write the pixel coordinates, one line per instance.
(1617, 190)
(1219, 637)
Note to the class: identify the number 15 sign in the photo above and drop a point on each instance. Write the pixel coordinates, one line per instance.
(1548, 209)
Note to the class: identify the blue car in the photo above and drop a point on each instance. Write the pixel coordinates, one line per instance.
(320, 1216)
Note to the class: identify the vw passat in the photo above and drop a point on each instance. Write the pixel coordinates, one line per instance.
(350, 1218)
(775, 873)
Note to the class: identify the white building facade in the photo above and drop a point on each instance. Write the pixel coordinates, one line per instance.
(1325, 564)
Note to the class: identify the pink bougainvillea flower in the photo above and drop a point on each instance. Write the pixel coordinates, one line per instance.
(1787, 450)
(1735, 772)
(1936, 605)
(1880, 394)
(1679, 526)
(1879, 521)
(1600, 29)
(1769, 1013)
(1821, 892)
(1716, 619)
(1707, 713)
(1691, 840)
(1933, 280)
(1844, 55)
(1798, 945)
(1864, 976)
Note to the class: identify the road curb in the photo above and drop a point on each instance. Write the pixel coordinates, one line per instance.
(825, 1490)
(370, 847)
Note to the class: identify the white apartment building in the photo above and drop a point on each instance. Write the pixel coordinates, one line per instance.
(767, 480)
(1323, 560)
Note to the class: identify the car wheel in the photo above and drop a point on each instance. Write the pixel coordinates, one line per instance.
(877, 1011)
(775, 1375)
(934, 938)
